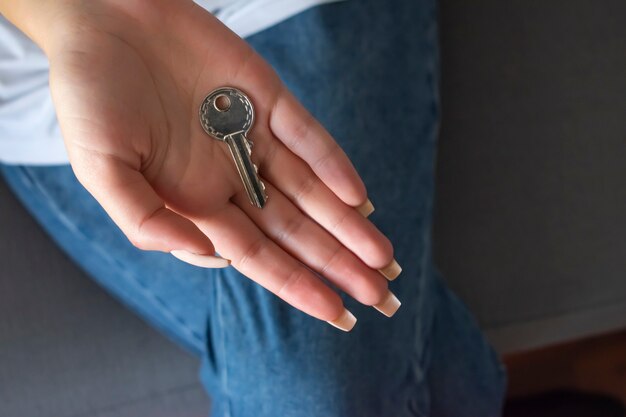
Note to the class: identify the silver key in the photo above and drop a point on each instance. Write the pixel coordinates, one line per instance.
(227, 115)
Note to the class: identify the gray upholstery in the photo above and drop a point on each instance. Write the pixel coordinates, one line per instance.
(530, 219)
(68, 349)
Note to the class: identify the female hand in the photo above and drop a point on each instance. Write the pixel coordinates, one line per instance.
(127, 79)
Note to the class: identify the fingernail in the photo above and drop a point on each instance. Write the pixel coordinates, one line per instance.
(389, 305)
(204, 261)
(366, 208)
(345, 322)
(391, 271)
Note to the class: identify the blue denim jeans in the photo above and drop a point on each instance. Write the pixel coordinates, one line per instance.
(368, 70)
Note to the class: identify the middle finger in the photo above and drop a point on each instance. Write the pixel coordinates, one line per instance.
(299, 183)
(304, 239)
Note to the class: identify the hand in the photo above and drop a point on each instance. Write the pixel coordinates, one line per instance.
(127, 79)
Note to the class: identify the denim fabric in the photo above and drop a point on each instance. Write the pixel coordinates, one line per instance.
(368, 71)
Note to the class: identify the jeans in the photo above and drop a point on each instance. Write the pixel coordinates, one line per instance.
(368, 70)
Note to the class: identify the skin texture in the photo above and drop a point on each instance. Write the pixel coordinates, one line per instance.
(127, 78)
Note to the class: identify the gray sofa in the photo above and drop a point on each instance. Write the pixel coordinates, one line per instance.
(530, 219)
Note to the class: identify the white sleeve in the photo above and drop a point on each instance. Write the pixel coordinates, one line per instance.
(29, 131)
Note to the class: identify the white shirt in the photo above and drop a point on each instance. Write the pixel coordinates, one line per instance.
(29, 130)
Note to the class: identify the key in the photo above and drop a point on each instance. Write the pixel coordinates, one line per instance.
(227, 114)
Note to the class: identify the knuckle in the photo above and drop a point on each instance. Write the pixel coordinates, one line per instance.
(332, 260)
(140, 237)
(270, 154)
(289, 229)
(291, 280)
(340, 220)
(300, 131)
(252, 251)
(326, 157)
(306, 187)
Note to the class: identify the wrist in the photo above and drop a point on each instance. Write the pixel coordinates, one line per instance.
(55, 24)
(42, 21)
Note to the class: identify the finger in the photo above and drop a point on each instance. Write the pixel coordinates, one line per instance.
(315, 247)
(313, 197)
(139, 212)
(294, 126)
(259, 258)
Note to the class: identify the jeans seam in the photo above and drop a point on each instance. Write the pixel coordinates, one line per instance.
(432, 80)
(222, 336)
(433, 128)
(143, 288)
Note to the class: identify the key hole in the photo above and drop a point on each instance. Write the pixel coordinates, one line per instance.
(222, 103)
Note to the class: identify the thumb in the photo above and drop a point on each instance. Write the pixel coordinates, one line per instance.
(140, 213)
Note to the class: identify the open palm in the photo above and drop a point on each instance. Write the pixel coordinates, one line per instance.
(127, 83)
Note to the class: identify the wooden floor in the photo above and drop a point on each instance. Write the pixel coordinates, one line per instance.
(597, 364)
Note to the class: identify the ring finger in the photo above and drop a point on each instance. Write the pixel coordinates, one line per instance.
(304, 239)
(252, 253)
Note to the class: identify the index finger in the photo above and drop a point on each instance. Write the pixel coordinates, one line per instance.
(294, 126)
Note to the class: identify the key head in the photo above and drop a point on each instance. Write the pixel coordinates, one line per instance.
(226, 111)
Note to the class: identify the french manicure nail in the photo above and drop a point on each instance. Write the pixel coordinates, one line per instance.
(389, 305)
(204, 261)
(344, 322)
(391, 271)
(366, 208)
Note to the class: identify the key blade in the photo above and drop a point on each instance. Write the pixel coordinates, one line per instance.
(247, 170)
